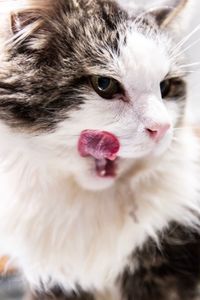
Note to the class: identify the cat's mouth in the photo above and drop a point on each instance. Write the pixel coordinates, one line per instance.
(106, 168)
(103, 147)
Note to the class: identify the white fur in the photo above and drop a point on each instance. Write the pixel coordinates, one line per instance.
(55, 228)
(59, 220)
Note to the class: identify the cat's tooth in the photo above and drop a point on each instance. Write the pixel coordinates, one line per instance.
(103, 173)
(101, 163)
(101, 167)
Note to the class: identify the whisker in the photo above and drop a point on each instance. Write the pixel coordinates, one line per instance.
(192, 71)
(190, 65)
(185, 39)
(186, 72)
(177, 74)
(186, 49)
(179, 129)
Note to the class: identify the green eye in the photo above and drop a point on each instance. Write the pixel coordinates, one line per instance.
(105, 87)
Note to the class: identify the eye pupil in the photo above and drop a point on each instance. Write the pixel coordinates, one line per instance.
(104, 83)
(106, 87)
(165, 88)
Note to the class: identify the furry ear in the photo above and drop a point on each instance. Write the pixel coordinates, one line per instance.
(27, 28)
(29, 23)
(174, 15)
(19, 14)
(20, 20)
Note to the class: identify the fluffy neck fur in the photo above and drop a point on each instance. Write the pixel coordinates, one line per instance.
(91, 233)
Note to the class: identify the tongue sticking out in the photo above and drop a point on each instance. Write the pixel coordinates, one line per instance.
(103, 147)
(98, 144)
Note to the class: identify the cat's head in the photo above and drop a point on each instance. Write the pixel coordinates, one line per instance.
(93, 87)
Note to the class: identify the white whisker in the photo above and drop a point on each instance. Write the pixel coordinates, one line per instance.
(185, 49)
(185, 39)
(184, 73)
(190, 65)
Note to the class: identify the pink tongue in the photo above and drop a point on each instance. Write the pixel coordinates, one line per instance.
(99, 144)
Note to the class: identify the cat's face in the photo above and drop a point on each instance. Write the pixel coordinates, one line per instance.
(94, 87)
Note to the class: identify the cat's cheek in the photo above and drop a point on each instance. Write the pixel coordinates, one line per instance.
(141, 146)
(163, 146)
(176, 111)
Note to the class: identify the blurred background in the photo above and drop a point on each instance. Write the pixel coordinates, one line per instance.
(11, 286)
(194, 53)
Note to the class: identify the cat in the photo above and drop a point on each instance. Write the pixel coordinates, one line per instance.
(99, 171)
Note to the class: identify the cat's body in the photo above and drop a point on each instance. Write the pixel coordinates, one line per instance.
(170, 272)
(129, 235)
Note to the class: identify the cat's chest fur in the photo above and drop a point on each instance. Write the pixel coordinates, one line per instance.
(72, 236)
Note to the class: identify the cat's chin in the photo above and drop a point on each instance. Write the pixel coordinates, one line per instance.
(100, 175)
(95, 183)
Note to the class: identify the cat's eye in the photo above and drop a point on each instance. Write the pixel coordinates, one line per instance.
(173, 88)
(165, 88)
(106, 87)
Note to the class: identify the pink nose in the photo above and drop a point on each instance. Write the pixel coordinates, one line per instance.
(158, 131)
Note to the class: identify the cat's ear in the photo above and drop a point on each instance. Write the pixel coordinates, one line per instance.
(21, 20)
(25, 12)
(28, 25)
(174, 14)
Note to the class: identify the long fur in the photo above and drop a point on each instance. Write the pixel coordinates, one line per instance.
(59, 222)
